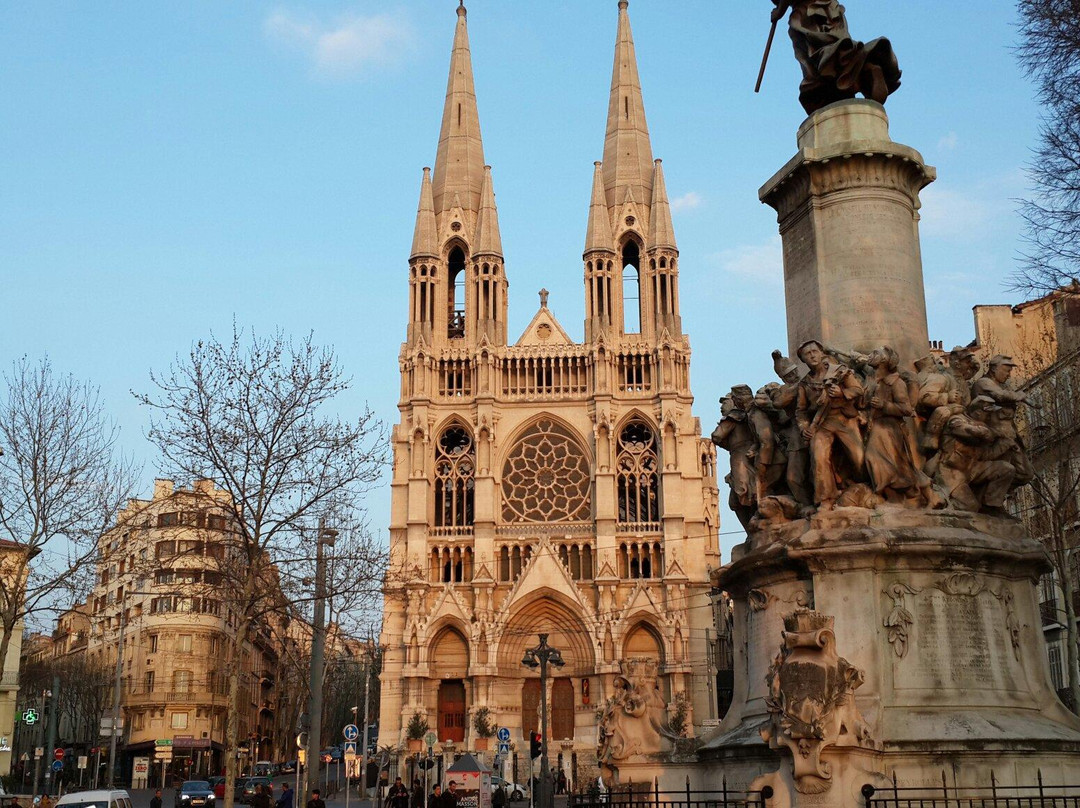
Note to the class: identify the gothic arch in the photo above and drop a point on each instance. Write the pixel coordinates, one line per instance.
(553, 613)
(454, 474)
(643, 639)
(448, 652)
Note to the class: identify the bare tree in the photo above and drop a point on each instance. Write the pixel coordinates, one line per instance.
(62, 481)
(1049, 53)
(251, 415)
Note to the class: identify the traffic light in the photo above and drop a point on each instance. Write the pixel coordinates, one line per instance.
(536, 746)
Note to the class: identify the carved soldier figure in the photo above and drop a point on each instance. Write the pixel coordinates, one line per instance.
(733, 434)
(797, 448)
(963, 365)
(889, 461)
(767, 423)
(827, 415)
(970, 465)
(835, 66)
(1003, 422)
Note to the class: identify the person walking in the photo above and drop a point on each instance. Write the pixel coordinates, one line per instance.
(398, 795)
(155, 801)
(498, 799)
(561, 784)
(417, 794)
(450, 797)
(286, 798)
(316, 800)
(261, 799)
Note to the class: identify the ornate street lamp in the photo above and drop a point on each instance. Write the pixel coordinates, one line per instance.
(540, 657)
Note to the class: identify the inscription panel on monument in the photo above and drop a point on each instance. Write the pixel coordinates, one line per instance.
(960, 642)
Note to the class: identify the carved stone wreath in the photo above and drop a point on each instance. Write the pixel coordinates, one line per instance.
(546, 477)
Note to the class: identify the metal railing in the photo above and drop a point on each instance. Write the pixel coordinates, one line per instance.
(994, 795)
(644, 795)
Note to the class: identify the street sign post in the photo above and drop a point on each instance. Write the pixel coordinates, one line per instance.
(351, 732)
(57, 765)
(58, 754)
(39, 751)
(30, 716)
(504, 748)
(430, 739)
(350, 749)
(504, 734)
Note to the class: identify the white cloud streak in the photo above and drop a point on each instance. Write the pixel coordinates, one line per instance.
(761, 263)
(349, 46)
(689, 200)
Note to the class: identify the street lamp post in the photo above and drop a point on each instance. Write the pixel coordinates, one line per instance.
(540, 657)
(326, 538)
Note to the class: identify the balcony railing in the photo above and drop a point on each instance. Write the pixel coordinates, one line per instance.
(176, 696)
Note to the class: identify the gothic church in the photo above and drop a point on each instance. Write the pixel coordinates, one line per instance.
(545, 485)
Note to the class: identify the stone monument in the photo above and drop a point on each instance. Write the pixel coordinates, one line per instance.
(886, 622)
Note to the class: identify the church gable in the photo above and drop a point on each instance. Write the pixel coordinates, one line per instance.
(543, 330)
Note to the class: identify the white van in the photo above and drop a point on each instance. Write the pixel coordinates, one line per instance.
(95, 799)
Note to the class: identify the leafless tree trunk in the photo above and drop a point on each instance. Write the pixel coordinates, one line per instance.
(1049, 53)
(61, 484)
(249, 414)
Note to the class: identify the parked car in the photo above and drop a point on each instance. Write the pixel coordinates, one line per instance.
(288, 767)
(194, 794)
(264, 768)
(514, 791)
(95, 799)
(245, 789)
(218, 784)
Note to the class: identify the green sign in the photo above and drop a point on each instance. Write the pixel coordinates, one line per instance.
(30, 716)
(163, 742)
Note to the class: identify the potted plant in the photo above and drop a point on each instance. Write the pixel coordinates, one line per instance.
(415, 732)
(483, 728)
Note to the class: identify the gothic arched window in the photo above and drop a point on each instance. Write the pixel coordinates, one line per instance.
(455, 471)
(631, 279)
(456, 294)
(638, 480)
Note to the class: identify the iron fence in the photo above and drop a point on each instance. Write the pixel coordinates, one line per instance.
(634, 795)
(994, 795)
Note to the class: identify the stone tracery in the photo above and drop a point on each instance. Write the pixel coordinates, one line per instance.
(546, 477)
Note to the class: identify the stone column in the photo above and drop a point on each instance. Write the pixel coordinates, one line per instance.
(847, 204)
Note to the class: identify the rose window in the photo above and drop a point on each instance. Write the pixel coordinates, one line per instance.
(546, 477)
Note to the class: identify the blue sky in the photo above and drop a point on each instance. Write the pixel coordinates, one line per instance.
(165, 168)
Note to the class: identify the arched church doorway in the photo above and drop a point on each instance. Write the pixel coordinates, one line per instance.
(452, 710)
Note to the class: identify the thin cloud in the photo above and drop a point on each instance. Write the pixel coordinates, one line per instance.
(948, 142)
(689, 200)
(970, 213)
(761, 263)
(350, 45)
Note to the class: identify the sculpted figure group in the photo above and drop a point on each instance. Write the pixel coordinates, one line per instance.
(853, 430)
(633, 720)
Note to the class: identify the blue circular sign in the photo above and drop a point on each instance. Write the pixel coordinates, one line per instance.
(504, 734)
(57, 765)
(351, 732)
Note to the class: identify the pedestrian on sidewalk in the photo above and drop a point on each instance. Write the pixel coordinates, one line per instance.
(286, 798)
(561, 784)
(155, 801)
(316, 801)
(450, 797)
(417, 794)
(261, 799)
(398, 795)
(498, 799)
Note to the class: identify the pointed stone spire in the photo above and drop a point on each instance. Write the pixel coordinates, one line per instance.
(661, 231)
(598, 234)
(488, 240)
(425, 241)
(627, 151)
(459, 161)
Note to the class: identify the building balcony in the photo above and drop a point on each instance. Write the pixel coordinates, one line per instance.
(639, 528)
(194, 697)
(9, 680)
(1048, 610)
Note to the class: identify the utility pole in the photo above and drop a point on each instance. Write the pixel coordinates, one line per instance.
(326, 538)
(39, 741)
(541, 656)
(364, 752)
(50, 741)
(111, 779)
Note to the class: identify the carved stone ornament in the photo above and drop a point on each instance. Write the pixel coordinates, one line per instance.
(811, 700)
(967, 585)
(632, 721)
(899, 619)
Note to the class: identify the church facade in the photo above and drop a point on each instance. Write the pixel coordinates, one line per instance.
(546, 485)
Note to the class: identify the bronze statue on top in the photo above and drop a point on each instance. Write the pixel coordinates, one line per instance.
(835, 66)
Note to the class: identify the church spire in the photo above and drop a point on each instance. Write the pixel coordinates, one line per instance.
(598, 234)
(459, 160)
(488, 240)
(627, 151)
(425, 242)
(661, 231)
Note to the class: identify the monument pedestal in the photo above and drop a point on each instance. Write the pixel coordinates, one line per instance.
(934, 618)
(847, 205)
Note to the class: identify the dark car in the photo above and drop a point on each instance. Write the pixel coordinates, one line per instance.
(197, 793)
(245, 788)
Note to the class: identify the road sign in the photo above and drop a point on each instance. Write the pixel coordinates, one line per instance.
(161, 756)
(57, 765)
(351, 732)
(350, 748)
(430, 738)
(25, 756)
(58, 753)
(30, 716)
(427, 763)
(301, 756)
(163, 742)
(39, 751)
(82, 761)
(504, 734)
(504, 748)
